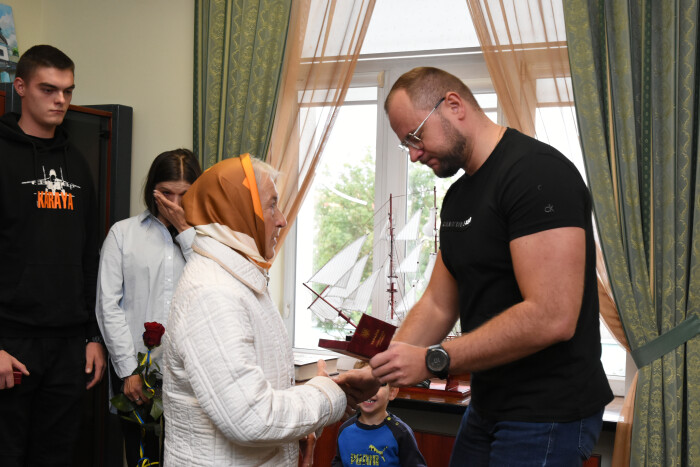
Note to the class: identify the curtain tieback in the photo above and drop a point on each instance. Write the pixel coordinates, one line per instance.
(667, 342)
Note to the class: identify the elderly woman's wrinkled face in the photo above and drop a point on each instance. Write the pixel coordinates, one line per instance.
(273, 217)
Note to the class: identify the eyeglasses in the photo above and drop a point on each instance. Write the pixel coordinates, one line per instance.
(412, 140)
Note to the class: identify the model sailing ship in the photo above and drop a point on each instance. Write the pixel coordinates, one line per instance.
(338, 287)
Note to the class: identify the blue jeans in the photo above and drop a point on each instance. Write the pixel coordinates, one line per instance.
(484, 442)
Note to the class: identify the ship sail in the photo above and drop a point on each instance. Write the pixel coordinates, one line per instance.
(326, 308)
(410, 263)
(346, 292)
(351, 282)
(410, 230)
(359, 299)
(429, 227)
(335, 269)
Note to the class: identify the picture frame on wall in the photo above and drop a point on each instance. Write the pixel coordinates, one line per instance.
(9, 52)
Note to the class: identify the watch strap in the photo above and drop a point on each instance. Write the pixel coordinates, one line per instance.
(97, 339)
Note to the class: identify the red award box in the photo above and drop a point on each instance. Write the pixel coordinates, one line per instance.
(371, 337)
(18, 376)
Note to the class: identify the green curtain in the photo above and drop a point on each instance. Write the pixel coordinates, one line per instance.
(239, 47)
(635, 81)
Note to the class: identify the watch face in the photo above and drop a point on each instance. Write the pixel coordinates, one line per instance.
(436, 360)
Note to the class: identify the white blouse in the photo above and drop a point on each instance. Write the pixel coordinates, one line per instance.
(140, 266)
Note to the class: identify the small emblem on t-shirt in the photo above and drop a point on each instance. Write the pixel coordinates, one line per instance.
(549, 208)
(381, 453)
(456, 225)
(54, 195)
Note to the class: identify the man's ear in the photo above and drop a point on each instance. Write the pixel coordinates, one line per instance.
(20, 86)
(456, 105)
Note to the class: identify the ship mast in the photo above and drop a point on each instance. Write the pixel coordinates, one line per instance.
(340, 312)
(392, 273)
(435, 229)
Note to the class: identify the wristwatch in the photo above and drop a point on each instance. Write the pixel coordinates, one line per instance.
(438, 361)
(97, 339)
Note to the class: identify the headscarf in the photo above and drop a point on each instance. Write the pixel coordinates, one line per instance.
(224, 203)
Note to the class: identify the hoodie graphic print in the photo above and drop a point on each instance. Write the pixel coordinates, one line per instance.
(54, 195)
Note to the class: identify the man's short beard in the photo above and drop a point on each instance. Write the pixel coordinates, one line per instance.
(455, 158)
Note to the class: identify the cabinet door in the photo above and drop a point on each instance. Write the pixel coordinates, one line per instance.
(325, 445)
(436, 449)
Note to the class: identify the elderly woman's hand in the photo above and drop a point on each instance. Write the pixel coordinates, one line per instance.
(321, 368)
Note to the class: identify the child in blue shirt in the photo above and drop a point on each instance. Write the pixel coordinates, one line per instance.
(376, 437)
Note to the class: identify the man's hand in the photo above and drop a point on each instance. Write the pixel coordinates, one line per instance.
(95, 363)
(8, 363)
(400, 365)
(133, 389)
(171, 211)
(358, 385)
(306, 449)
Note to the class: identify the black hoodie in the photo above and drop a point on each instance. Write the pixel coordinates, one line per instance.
(48, 236)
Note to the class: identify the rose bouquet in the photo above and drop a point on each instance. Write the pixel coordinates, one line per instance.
(149, 414)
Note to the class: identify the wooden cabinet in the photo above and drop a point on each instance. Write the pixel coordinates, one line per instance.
(325, 446)
(436, 449)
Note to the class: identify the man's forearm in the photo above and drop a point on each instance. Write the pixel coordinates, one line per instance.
(516, 333)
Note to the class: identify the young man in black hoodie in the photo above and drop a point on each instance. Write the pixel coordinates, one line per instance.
(49, 255)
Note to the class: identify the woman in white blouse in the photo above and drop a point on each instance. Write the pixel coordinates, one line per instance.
(140, 264)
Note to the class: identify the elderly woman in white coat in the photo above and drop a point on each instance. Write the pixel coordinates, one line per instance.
(228, 388)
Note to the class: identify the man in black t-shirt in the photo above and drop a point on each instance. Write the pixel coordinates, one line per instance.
(517, 267)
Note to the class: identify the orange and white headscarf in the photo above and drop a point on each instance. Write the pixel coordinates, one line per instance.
(224, 203)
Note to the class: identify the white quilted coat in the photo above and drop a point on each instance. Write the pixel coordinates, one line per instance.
(228, 387)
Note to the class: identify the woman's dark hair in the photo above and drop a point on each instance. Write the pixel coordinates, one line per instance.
(170, 166)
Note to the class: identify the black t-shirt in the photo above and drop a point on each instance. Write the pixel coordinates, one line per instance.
(524, 187)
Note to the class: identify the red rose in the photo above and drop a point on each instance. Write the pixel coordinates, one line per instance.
(154, 331)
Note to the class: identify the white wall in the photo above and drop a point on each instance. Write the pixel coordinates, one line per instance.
(132, 52)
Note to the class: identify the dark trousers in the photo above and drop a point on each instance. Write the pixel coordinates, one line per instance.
(485, 442)
(132, 433)
(40, 418)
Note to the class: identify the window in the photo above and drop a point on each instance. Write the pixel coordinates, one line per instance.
(336, 211)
